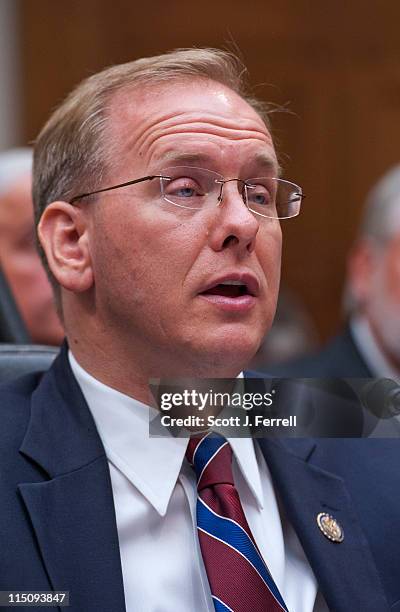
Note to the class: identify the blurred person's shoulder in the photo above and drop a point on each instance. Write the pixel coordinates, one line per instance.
(340, 358)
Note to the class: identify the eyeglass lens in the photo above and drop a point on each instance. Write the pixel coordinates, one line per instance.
(195, 188)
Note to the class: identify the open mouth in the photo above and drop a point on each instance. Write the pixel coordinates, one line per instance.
(230, 289)
(233, 295)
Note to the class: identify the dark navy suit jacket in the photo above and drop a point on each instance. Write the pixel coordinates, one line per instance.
(57, 520)
(340, 358)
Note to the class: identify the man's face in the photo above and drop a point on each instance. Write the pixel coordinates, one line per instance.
(22, 267)
(383, 304)
(158, 268)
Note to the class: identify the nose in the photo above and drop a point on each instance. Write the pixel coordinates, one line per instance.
(235, 226)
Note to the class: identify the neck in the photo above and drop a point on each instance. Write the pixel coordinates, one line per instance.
(131, 370)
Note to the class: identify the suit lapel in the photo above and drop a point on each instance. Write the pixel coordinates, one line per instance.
(72, 513)
(306, 490)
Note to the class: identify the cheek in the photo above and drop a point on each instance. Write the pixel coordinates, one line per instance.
(269, 251)
(149, 253)
(393, 281)
(24, 266)
(391, 271)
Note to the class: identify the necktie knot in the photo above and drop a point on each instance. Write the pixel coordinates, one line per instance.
(211, 458)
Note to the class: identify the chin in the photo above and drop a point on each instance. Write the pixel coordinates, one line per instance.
(227, 355)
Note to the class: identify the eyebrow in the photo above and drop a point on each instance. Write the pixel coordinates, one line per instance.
(260, 159)
(268, 162)
(190, 158)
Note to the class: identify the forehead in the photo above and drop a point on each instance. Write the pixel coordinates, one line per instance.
(199, 117)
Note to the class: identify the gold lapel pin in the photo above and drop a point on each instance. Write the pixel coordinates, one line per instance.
(330, 527)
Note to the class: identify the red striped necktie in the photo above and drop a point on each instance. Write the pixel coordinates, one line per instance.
(238, 577)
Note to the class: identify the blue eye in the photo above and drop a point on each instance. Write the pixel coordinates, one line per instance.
(183, 187)
(260, 198)
(190, 187)
(185, 192)
(258, 195)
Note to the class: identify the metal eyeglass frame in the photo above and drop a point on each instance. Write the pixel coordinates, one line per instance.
(220, 182)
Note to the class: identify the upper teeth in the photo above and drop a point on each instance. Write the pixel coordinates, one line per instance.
(232, 282)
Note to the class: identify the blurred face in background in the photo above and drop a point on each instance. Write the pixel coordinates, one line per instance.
(22, 267)
(383, 308)
(375, 279)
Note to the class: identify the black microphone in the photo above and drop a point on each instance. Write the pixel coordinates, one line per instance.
(380, 396)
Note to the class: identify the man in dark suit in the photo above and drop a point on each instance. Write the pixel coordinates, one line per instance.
(340, 358)
(164, 254)
(370, 343)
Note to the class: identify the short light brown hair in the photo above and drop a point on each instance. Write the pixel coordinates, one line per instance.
(71, 149)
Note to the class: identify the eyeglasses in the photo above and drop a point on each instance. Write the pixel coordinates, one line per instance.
(198, 188)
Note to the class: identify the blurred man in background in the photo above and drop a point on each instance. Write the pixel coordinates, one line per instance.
(374, 280)
(370, 343)
(18, 255)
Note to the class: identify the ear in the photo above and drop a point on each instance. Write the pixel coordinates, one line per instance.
(361, 265)
(63, 234)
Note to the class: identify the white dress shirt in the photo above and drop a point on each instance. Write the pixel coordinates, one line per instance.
(154, 491)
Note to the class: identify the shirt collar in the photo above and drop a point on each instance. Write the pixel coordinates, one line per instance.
(151, 464)
(244, 452)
